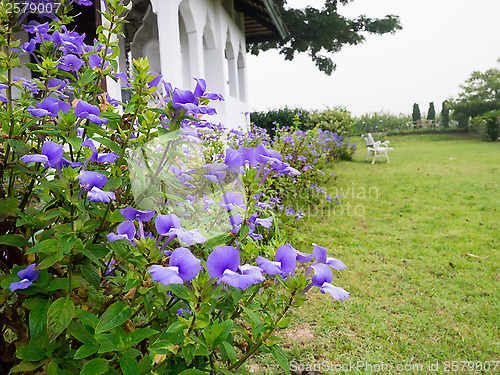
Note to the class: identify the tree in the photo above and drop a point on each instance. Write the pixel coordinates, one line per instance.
(480, 95)
(445, 115)
(320, 31)
(416, 112)
(431, 113)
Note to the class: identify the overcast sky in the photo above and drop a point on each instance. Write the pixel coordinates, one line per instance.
(441, 44)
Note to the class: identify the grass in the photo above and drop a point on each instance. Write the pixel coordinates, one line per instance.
(421, 239)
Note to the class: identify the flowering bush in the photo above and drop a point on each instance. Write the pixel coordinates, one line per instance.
(130, 245)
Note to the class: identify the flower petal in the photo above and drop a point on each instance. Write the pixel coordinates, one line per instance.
(29, 273)
(164, 223)
(221, 259)
(189, 266)
(336, 263)
(287, 256)
(319, 253)
(335, 291)
(165, 275)
(269, 267)
(322, 274)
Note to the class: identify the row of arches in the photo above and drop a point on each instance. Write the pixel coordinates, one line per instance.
(207, 45)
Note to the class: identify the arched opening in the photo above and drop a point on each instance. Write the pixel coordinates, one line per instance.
(241, 77)
(185, 55)
(231, 67)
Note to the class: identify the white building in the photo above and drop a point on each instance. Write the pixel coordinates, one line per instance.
(206, 39)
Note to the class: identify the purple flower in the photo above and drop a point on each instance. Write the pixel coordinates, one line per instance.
(98, 195)
(164, 223)
(184, 99)
(181, 312)
(88, 180)
(95, 61)
(216, 172)
(320, 254)
(200, 91)
(155, 81)
(233, 160)
(70, 63)
(131, 213)
(51, 155)
(264, 155)
(232, 200)
(126, 231)
(188, 237)
(284, 261)
(49, 107)
(84, 2)
(36, 27)
(100, 158)
(224, 264)
(27, 276)
(183, 266)
(89, 111)
(322, 278)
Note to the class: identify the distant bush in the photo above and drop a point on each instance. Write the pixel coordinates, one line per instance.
(487, 125)
(381, 122)
(337, 120)
(282, 117)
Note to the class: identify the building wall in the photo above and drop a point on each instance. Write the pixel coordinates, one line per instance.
(202, 39)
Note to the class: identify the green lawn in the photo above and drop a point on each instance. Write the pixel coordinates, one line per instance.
(421, 238)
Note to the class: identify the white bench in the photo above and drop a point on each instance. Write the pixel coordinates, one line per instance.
(378, 148)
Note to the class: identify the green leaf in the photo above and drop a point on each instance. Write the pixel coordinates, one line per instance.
(38, 318)
(65, 244)
(284, 322)
(96, 252)
(140, 334)
(281, 358)
(48, 261)
(116, 314)
(81, 333)
(14, 240)
(109, 144)
(86, 350)
(129, 365)
(87, 318)
(95, 366)
(47, 246)
(216, 334)
(25, 367)
(87, 77)
(60, 315)
(31, 353)
(19, 146)
(230, 351)
(107, 341)
(193, 371)
(7, 207)
(91, 275)
(57, 284)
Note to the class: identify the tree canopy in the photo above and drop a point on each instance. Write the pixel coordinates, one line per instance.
(431, 112)
(415, 115)
(480, 95)
(320, 32)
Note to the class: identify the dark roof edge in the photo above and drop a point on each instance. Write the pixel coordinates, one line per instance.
(276, 18)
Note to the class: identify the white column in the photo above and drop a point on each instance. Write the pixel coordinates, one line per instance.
(114, 88)
(167, 12)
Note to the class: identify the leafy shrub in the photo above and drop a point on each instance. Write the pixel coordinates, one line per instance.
(282, 117)
(381, 122)
(122, 250)
(336, 120)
